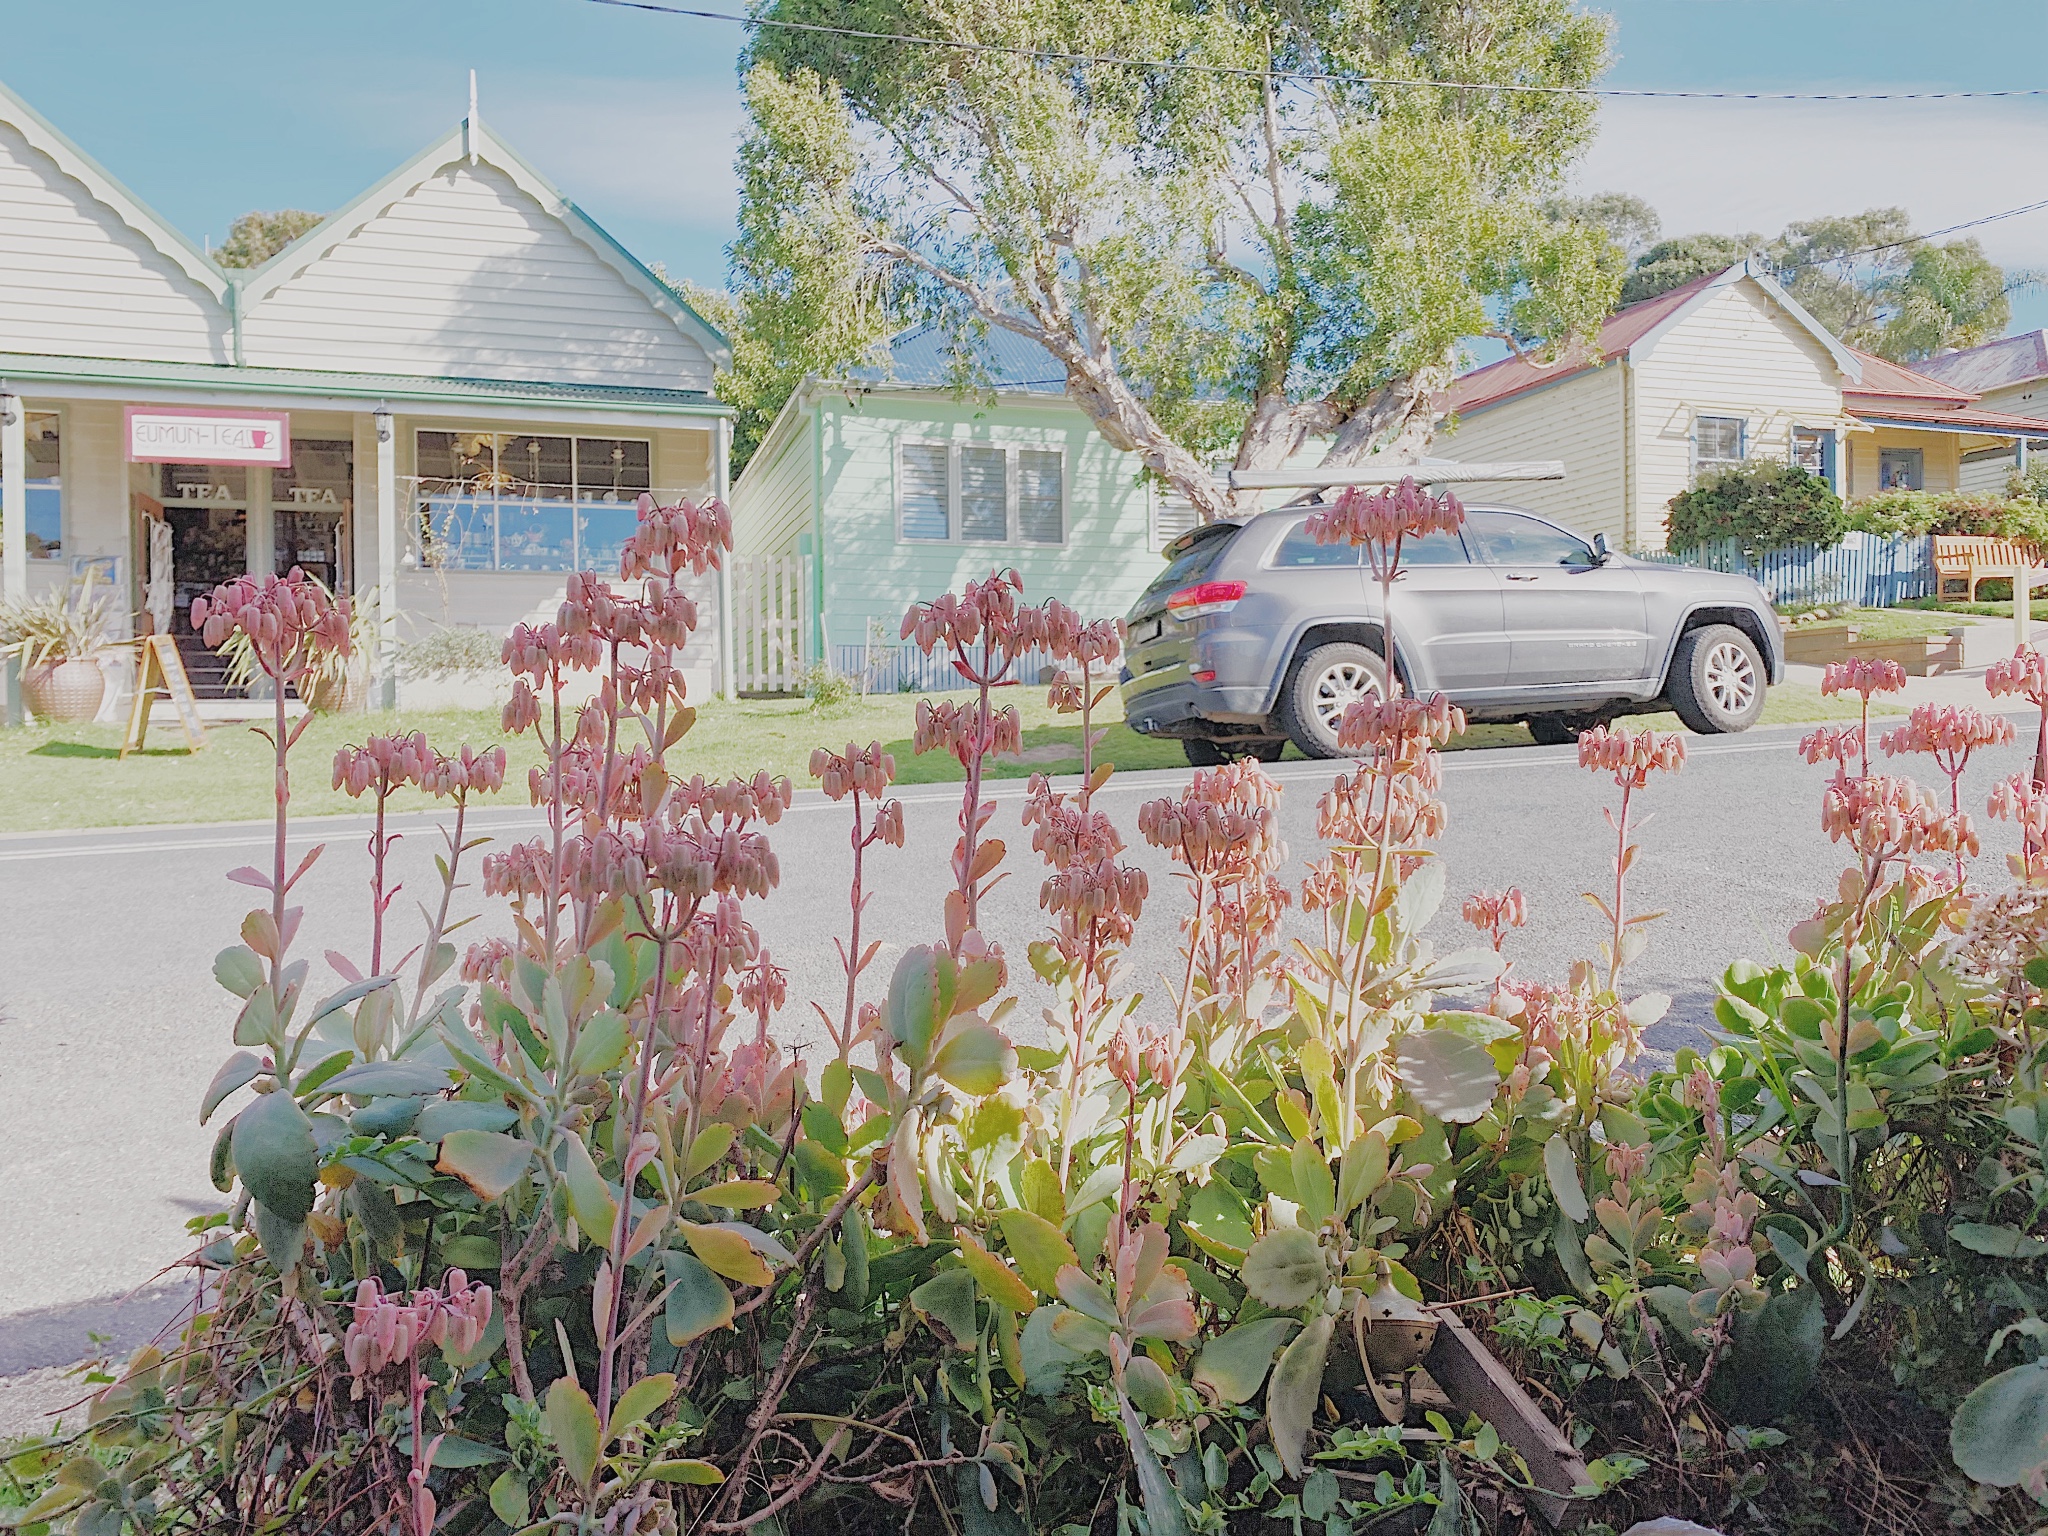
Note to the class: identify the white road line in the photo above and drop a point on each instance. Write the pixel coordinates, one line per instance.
(309, 830)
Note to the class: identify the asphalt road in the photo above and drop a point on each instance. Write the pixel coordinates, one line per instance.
(111, 1024)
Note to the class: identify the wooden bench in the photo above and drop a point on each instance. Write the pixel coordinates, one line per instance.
(1962, 562)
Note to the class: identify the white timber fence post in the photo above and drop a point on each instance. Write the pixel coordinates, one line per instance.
(728, 633)
(387, 560)
(768, 622)
(14, 552)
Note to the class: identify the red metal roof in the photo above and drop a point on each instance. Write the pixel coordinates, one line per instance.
(1620, 331)
(2009, 360)
(1939, 420)
(1895, 381)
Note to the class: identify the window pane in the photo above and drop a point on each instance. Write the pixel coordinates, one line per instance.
(434, 455)
(1299, 548)
(1038, 497)
(921, 492)
(1717, 439)
(1437, 548)
(984, 495)
(534, 535)
(1901, 469)
(602, 529)
(461, 533)
(1508, 538)
(45, 487)
(537, 466)
(612, 468)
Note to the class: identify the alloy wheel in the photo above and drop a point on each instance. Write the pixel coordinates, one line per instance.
(1730, 678)
(1339, 687)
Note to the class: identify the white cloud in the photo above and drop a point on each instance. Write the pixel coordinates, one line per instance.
(1736, 166)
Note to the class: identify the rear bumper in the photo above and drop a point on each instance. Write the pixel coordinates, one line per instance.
(1183, 707)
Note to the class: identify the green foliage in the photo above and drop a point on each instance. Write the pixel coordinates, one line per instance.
(1866, 277)
(450, 649)
(1765, 504)
(1210, 279)
(256, 237)
(1890, 514)
(75, 626)
(1157, 1273)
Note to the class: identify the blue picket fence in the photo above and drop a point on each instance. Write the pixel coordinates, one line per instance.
(1869, 572)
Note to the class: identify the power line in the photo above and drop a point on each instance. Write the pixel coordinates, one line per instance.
(1307, 76)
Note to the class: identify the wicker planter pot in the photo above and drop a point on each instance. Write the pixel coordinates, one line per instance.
(337, 696)
(64, 690)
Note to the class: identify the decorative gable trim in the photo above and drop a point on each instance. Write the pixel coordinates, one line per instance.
(1846, 361)
(473, 143)
(75, 163)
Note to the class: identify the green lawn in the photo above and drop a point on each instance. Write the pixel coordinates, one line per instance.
(1978, 610)
(1901, 623)
(73, 776)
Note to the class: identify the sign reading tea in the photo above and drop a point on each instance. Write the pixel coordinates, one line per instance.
(162, 436)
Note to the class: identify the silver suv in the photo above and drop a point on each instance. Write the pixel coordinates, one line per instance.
(1255, 635)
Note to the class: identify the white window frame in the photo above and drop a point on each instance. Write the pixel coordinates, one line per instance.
(64, 459)
(1705, 465)
(1012, 534)
(575, 503)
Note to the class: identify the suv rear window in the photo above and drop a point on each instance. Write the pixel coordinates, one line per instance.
(1191, 564)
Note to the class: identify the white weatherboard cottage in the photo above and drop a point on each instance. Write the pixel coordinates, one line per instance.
(1724, 369)
(445, 397)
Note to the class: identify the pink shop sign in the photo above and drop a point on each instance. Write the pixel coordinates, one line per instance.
(162, 435)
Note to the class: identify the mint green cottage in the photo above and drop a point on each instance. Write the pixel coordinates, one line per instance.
(870, 493)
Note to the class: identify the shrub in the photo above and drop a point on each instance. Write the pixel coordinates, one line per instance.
(826, 686)
(1764, 504)
(450, 649)
(570, 1243)
(1894, 514)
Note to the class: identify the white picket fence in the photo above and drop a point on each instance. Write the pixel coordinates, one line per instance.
(770, 595)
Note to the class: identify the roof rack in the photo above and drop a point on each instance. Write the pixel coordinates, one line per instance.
(1428, 473)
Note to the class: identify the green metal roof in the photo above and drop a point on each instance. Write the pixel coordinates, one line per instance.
(28, 369)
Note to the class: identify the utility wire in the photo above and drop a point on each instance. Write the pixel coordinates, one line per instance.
(1321, 77)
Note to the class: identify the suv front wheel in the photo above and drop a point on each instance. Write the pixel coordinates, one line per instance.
(1322, 685)
(1717, 680)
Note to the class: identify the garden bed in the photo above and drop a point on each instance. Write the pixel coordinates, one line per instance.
(1921, 655)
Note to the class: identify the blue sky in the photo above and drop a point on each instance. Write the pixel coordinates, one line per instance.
(207, 108)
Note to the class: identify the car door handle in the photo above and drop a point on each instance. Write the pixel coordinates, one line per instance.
(1525, 578)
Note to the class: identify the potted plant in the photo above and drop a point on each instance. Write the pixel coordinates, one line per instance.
(333, 684)
(58, 641)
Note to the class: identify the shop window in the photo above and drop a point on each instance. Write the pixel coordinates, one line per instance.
(977, 493)
(1901, 469)
(309, 509)
(45, 486)
(521, 501)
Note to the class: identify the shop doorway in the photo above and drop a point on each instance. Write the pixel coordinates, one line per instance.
(310, 505)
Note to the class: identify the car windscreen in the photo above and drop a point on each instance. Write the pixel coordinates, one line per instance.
(1189, 566)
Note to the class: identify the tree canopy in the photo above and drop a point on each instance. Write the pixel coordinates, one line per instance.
(1237, 258)
(1866, 277)
(256, 237)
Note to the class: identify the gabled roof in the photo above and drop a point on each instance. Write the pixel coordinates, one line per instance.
(472, 141)
(130, 209)
(922, 358)
(1996, 364)
(1633, 332)
(1885, 379)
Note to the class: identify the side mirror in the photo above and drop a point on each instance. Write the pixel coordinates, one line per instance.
(1601, 553)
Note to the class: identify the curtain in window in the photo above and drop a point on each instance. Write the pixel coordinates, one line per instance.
(923, 492)
(1039, 496)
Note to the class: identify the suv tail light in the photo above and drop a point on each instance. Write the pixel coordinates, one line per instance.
(1204, 597)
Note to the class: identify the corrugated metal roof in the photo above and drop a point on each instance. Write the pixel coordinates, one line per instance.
(28, 369)
(2009, 360)
(1895, 381)
(1961, 419)
(922, 358)
(1620, 331)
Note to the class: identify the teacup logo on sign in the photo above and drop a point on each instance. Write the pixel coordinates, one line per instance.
(209, 437)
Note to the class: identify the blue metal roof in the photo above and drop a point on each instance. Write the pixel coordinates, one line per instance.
(923, 358)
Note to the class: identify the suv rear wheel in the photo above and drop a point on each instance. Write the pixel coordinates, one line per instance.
(1559, 730)
(1204, 753)
(1717, 680)
(1322, 685)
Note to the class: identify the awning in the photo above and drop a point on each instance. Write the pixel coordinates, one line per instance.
(1963, 423)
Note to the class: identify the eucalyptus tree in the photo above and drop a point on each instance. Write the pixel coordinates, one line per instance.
(1242, 230)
